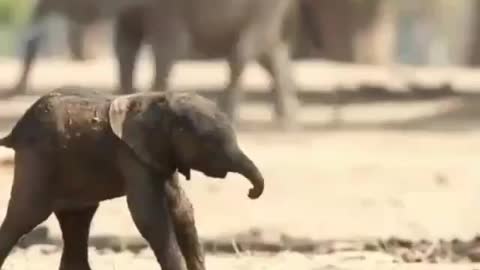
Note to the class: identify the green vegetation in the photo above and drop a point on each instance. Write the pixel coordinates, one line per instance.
(13, 14)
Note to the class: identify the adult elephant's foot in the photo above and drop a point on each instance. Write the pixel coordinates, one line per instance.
(286, 113)
(19, 89)
(158, 87)
(124, 91)
(82, 56)
(287, 124)
(228, 106)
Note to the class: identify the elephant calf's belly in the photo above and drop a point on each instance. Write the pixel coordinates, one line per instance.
(80, 186)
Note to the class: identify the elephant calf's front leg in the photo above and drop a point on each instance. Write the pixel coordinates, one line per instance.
(147, 203)
(151, 217)
(182, 214)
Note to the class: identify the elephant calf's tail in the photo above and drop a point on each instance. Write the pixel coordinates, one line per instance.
(7, 141)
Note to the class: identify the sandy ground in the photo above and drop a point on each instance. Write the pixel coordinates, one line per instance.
(407, 170)
(44, 257)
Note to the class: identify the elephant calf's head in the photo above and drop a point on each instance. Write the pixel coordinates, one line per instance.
(182, 131)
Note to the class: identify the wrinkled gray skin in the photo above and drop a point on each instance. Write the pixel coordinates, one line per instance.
(75, 148)
(238, 30)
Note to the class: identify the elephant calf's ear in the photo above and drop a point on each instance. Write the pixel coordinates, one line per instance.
(185, 172)
(125, 123)
(122, 116)
(116, 114)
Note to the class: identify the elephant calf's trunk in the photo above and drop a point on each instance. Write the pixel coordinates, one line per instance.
(256, 191)
(252, 173)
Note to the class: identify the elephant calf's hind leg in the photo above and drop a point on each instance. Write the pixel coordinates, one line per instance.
(75, 226)
(30, 203)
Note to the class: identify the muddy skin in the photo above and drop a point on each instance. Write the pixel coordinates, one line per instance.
(75, 148)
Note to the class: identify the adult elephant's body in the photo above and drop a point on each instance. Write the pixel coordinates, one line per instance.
(79, 14)
(237, 30)
(75, 148)
(240, 31)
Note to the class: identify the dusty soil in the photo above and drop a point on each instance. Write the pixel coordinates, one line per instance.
(361, 174)
(47, 257)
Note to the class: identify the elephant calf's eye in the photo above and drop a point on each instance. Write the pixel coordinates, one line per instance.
(134, 107)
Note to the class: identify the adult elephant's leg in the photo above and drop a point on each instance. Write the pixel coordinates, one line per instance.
(129, 35)
(35, 34)
(75, 226)
(30, 200)
(245, 50)
(182, 213)
(76, 40)
(147, 203)
(169, 41)
(232, 93)
(278, 64)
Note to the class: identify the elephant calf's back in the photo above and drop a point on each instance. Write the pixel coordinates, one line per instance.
(65, 119)
(70, 127)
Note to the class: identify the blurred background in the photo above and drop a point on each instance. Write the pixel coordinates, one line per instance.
(423, 33)
(385, 160)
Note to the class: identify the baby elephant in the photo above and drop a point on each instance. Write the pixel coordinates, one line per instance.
(75, 148)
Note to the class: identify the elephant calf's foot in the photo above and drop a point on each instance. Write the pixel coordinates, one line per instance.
(75, 266)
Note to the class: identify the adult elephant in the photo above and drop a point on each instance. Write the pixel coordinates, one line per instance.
(238, 30)
(79, 14)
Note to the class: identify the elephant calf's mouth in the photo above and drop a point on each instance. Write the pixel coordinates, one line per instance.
(216, 174)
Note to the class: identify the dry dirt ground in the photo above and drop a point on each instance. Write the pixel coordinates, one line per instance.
(46, 257)
(406, 170)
